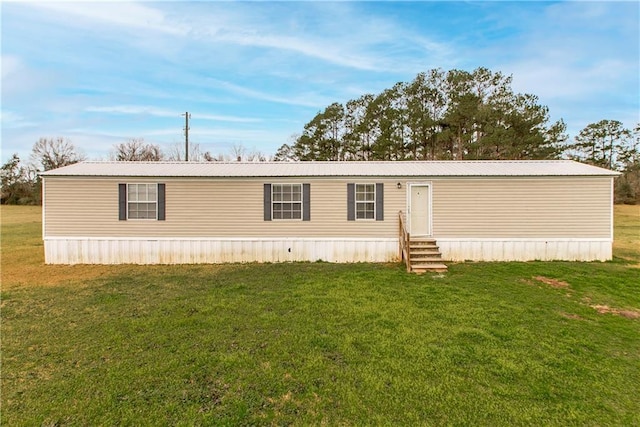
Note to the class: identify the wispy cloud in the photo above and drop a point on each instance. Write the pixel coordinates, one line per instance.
(11, 120)
(305, 100)
(250, 25)
(328, 52)
(285, 28)
(158, 112)
(119, 14)
(18, 78)
(11, 65)
(558, 81)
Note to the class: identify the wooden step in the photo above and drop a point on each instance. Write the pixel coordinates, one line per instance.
(426, 260)
(414, 256)
(430, 268)
(425, 251)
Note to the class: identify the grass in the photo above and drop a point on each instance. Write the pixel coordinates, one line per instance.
(627, 232)
(553, 343)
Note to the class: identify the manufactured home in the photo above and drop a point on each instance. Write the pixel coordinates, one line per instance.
(188, 212)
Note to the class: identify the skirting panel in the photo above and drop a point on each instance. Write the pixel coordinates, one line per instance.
(525, 250)
(213, 251)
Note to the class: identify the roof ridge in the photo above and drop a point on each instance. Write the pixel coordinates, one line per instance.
(232, 162)
(364, 169)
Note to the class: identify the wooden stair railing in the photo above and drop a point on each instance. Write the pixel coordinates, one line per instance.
(404, 238)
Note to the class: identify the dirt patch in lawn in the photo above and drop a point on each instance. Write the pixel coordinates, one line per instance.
(605, 309)
(554, 283)
(571, 316)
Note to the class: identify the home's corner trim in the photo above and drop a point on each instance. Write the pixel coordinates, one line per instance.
(43, 209)
(612, 216)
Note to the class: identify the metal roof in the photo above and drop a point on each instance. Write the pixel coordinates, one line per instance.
(450, 168)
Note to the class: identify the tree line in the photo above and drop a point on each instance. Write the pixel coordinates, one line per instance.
(136, 149)
(21, 183)
(460, 115)
(452, 115)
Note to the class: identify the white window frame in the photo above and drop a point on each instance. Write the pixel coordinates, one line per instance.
(364, 202)
(274, 201)
(130, 202)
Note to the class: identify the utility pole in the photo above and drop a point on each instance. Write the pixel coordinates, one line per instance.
(187, 116)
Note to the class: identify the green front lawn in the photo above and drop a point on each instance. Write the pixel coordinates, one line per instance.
(316, 343)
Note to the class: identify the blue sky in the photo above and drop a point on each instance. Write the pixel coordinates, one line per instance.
(253, 73)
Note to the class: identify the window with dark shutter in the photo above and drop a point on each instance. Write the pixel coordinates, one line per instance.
(379, 201)
(306, 202)
(351, 202)
(141, 201)
(365, 201)
(161, 202)
(287, 202)
(267, 202)
(122, 202)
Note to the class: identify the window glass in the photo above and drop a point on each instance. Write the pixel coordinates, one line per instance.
(286, 201)
(365, 201)
(142, 201)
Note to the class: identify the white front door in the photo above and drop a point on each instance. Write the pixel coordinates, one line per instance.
(419, 210)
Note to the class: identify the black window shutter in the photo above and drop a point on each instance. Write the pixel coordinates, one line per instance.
(267, 202)
(379, 201)
(306, 202)
(122, 202)
(161, 202)
(351, 202)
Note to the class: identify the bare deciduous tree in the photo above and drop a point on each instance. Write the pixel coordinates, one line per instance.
(257, 156)
(208, 157)
(176, 152)
(50, 153)
(136, 149)
(238, 152)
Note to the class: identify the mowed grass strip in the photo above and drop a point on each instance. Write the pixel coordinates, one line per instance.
(318, 343)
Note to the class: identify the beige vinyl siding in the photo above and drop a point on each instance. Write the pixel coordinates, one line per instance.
(505, 207)
(577, 207)
(211, 207)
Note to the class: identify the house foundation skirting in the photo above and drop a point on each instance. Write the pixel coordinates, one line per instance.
(525, 249)
(97, 250)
